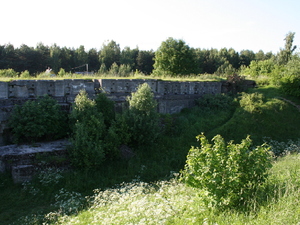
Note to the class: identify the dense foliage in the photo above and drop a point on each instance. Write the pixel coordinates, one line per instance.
(175, 57)
(142, 117)
(99, 134)
(38, 120)
(230, 173)
(88, 133)
(172, 57)
(290, 81)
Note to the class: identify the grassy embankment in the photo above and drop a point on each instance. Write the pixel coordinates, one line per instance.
(55, 194)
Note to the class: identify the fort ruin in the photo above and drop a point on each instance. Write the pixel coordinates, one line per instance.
(172, 96)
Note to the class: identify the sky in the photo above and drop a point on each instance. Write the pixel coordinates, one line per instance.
(239, 24)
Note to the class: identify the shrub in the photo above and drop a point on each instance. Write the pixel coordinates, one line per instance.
(124, 70)
(106, 107)
(87, 143)
(252, 103)
(38, 120)
(25, 74)
(61, 72)
(230, 173)
(143, 100)
(142, 117)
(8, 73)
(114, 69)
(215, 102)
(88, 133)
(290, 85)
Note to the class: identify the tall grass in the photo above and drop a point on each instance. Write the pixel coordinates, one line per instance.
(132, 75)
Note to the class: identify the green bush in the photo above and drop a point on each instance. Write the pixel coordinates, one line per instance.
(8, 73)
(142, 117)
(61, 72)
(106, 107)
(87, 143)
(215, 102)
(291, 85)
(118, 134)
(38, 120)
(252, 103)
(25, 74)
(88, 133)
(290, 81)
(230, 173)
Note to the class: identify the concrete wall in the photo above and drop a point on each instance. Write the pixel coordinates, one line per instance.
(171, 96)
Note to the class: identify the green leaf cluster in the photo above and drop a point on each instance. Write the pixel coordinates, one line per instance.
(175, 57)
(230, 173)
(8, 73)
(290, 82)
(38, 120)
(142, 117)
(215, 102)
(89, 130)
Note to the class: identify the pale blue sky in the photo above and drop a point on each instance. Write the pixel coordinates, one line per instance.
(238, 24)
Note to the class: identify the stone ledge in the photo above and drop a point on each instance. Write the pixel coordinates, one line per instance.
(22, 160)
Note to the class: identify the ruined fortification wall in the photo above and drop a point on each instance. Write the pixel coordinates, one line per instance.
(171, 96)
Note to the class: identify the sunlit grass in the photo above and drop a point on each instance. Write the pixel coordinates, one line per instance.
(172, 202)
(44, 76)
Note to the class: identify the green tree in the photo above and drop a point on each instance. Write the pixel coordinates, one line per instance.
(43, 60)
(67, 59)
(145, 61)
(128, 57)
(142, 117)
(110, 53)
(210, 60)
(107, 107)
(114, 69)
(28, 59)
(257, 68)
(174, 57)
(290, 82)
(285, 54)
(246, 56)
(93, 60)
(88, 133)
(55, 58)
(143, 100)
(103, 69)
(124, 70)
(81, 57)
(8, 57)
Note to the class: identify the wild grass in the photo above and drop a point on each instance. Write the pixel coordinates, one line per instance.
(172, 202)
(44, 76)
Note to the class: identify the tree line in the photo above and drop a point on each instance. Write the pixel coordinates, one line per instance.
(38, 59)
(173, 57)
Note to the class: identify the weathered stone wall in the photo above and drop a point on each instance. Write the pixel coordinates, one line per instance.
(171, 96)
